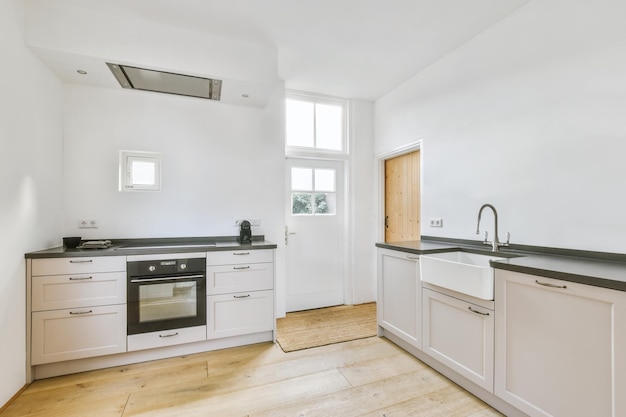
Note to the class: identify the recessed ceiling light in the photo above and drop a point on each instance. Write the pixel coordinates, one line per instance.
(244, 95)
(81, 72)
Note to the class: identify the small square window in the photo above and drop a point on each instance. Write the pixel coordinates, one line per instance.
(140, 171)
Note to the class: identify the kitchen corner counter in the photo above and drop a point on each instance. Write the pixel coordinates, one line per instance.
(599, 269)
(125, 247)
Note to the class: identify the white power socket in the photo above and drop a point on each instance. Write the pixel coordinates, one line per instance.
(88, 224)
(436, 222)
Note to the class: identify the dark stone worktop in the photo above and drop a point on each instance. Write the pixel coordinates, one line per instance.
(124, 247)
(598, 269)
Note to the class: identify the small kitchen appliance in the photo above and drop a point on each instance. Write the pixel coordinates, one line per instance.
(245, 232)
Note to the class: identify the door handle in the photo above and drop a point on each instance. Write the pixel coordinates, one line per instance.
(287, 233)
(386, 222)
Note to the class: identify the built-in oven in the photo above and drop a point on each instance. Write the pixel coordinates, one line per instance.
(165, 292)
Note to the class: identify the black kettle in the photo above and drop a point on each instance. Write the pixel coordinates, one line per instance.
(245, 232)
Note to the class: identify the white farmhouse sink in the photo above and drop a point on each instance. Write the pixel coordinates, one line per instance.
(467, 273)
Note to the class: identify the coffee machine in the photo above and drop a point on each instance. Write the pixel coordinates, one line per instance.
(245, 232)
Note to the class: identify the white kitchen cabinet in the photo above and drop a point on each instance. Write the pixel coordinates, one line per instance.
(240, 313)
(164, 338)
(60, 335)
(460, 335)
(400, 295)
(77, 307)
(560, 346)
(240, 293)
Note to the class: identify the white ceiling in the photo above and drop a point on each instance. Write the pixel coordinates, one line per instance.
(347, 48)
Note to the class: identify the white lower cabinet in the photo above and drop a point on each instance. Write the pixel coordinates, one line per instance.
(460, 335)
(240, 313)
(60, 335)
(400, 295)
(560, 347)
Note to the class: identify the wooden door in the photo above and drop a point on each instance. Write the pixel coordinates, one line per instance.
(402, 192)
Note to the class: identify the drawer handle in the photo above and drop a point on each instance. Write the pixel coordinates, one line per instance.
(241, 253)
(78, 313)
(241, 267)
(412, 257)
(477, 312)
(79, 278)
(547, 284)
(168, 335)
(241, 296)
(88, 261)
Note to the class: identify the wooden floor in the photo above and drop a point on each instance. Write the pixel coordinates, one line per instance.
(366, 377)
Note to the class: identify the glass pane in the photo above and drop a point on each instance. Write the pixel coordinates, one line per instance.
(302, 179)
(167, 301)
(142, 172)
(328, 126)
(299, 123)
(324, 180)
(301, 203)
(325, 203)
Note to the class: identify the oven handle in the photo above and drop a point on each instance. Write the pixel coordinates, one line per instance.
(136, 281)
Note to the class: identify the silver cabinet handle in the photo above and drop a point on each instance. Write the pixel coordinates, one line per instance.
(241, 267)
(413, 258)
(241, 296)
(77, 313)
(547, 284)
(79, 278)
(82, 262)
(168, 335)
(241, 253)
(477, 312)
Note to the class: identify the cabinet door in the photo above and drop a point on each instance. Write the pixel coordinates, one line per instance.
(226, 279)
(400, 295)
(164, 338)
(460, 335)
(560, 346)
(78, 290)
(240, 313)
(62, 335)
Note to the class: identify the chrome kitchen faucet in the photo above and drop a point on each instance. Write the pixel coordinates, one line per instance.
(495, 244)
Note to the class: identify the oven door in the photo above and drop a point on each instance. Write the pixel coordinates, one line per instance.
(164, 303)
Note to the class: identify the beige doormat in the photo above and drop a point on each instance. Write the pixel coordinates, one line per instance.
(325, 326)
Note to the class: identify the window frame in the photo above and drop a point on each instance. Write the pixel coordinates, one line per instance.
(313, 192)
(292, 150)
(125, 174)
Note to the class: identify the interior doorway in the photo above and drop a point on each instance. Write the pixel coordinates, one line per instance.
(402, 197)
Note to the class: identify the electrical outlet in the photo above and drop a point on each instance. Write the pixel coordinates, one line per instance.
(436, 222)
(88, 224)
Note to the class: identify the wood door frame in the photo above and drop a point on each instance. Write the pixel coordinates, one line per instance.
(380, 169)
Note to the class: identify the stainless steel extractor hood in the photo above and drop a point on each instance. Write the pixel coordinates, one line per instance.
(166, 82)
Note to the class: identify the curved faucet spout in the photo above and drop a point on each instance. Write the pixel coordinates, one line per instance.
(495, 242)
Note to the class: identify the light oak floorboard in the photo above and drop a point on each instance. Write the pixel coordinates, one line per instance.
(366, 377)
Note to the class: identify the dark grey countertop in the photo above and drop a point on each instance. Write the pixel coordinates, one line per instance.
(124, 247)
(591, 268)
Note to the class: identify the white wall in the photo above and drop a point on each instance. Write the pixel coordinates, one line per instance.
(528, 116)
(363, 200)
(30, 182)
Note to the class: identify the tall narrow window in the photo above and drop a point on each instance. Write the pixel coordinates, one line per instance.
(313, 191)
(316, 123)
(140, 171)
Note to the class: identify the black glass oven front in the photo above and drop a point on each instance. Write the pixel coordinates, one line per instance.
(166, 294)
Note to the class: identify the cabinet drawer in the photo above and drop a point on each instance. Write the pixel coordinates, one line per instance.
(241, 313)
(166, 338)
(62, 335)
(236, 278)
(78, 290)
(245, 256)
(63, 266)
